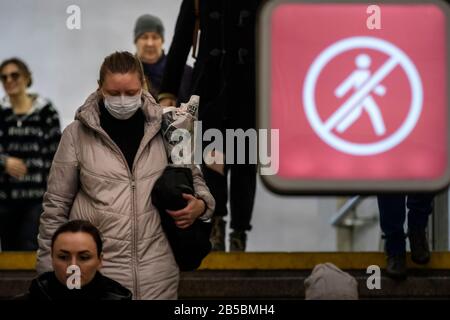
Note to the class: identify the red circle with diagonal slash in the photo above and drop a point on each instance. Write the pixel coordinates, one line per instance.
(394, 105)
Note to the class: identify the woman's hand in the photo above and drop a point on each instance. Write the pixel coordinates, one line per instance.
(15, 167)
(186, 216)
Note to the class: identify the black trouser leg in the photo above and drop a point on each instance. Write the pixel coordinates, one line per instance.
(392, 219)
(29, 227)
(242, 195)
(420, 207)
(9, 225)
(217, 184)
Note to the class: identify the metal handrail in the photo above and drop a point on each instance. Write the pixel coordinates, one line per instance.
(342, 214)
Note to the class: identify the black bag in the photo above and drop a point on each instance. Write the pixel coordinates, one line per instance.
(191, 245)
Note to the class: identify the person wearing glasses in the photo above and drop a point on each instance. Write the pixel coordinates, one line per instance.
(29, 136)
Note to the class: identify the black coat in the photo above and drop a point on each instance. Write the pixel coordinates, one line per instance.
(46, 287)
(224, 72)
(154, 73)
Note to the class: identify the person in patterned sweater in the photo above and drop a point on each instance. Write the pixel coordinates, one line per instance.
(29, 136)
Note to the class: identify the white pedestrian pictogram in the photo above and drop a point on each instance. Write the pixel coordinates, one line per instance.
(355, 81)
(366, 87)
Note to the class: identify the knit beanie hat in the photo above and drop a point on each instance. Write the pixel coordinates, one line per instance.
(328, 282)
(148, 23)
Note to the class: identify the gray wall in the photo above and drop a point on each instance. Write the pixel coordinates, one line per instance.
(65, 62)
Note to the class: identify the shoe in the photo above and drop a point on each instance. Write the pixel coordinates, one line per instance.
(420, 252)
(217, 237)
(238, 241)
(396, 267)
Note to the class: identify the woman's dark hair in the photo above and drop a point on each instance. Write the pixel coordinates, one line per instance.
(22, 67)
(80, 226)
(122, 62)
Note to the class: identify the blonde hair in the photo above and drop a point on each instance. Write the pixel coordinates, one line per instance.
(122, 62)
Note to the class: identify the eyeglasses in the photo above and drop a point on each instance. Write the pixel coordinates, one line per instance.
(14, 76)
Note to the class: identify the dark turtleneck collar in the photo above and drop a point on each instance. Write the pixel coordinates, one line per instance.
(127, 134)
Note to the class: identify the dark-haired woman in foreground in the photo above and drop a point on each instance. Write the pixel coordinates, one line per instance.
(77, 243)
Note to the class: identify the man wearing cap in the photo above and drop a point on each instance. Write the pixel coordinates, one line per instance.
(149, 40)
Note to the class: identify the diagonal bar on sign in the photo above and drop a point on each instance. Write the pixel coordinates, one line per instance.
(357, 97)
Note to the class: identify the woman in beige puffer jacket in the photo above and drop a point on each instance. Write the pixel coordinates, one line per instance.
(90, 179)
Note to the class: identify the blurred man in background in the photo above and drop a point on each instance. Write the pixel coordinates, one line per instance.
(149, 41)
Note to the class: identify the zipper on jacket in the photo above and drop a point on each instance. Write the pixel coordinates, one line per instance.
(134, 258)
(134, 244)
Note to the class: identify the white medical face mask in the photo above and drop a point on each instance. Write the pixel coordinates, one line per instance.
(123, 107)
